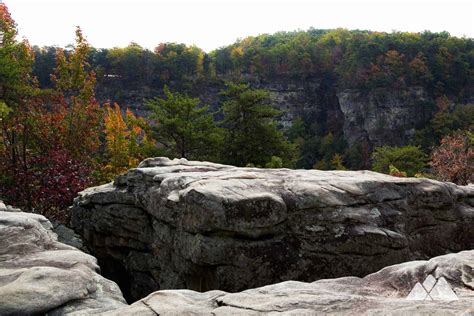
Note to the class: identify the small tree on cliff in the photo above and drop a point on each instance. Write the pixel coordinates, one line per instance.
(185, 127)
(251, 136)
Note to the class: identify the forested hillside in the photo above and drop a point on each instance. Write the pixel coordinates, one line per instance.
(440, 63)
(398, 103)
(341, 92)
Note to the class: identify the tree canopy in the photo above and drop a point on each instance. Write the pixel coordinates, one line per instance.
(59, 133)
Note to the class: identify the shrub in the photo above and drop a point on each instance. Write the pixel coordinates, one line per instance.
(409, 159)
(453, 160)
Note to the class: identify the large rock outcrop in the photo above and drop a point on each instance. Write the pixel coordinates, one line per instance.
(204, 226)
(448, 279)
(40, 275)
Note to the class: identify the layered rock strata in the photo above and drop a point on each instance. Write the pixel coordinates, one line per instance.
(174, 224)
(39, 275)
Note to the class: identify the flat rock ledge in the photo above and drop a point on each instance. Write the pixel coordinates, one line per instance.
(40, 275)
(178, 224)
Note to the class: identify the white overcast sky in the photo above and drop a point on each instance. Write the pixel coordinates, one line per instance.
(211, 24)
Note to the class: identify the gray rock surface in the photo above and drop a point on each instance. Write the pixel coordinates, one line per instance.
(381, 293)
(383, 117)
(40, 275)
(173, 224)
(67, 236)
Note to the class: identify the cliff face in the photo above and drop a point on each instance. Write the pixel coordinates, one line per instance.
(313, 101)
(384, 117)
(379, 117)
(202, 226)
(390, 291)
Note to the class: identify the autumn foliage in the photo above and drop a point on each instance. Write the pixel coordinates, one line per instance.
(49, 183)
(453, 160)
(126, 142)
(49, 137)
(50, 144)
(74, 83)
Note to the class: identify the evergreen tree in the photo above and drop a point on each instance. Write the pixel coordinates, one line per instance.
(184, 127)
(251, 136)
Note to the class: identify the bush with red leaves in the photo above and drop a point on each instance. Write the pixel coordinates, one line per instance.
(453, 160)
(49, 184)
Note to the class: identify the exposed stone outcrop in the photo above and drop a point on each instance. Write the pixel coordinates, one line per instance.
(8, 208)
(376, 117)
(382, 293)
(204, 226)
(40, 275)
(383, 117)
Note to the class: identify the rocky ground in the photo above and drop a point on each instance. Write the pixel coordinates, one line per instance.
(382, 293)
(39, 275)
(175, 224)
(204, 229)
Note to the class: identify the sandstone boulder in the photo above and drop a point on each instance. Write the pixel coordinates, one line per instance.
(174, 224)
(40, 275)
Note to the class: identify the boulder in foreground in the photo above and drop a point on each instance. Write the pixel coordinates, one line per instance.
(40, 275)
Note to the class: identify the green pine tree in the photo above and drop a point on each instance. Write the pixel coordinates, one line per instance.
(184, 127)
(252, 136)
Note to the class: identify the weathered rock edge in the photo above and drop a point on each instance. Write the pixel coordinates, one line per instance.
(184, 224)
(40, 275)
(380, 293)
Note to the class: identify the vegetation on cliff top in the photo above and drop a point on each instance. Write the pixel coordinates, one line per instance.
(349, 59)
